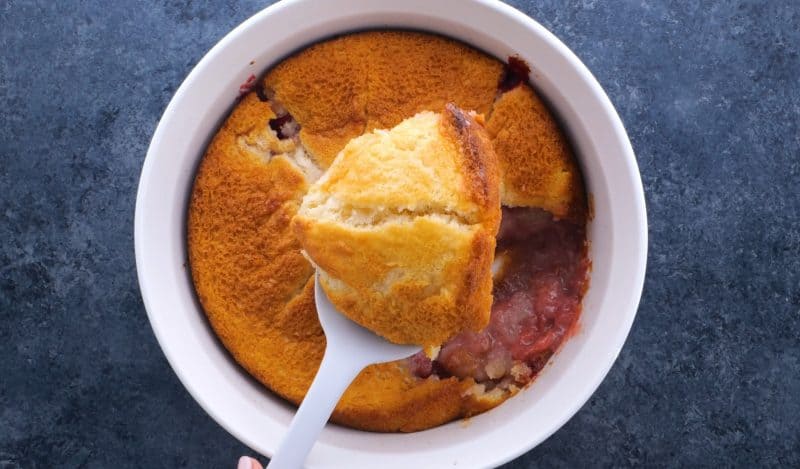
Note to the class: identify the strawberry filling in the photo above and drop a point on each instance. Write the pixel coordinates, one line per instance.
(537, 301)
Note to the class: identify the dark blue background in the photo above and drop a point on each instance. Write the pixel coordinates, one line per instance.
(708, 90)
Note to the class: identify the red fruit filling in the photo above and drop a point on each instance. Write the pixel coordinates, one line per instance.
(515, 72)
(537, 301)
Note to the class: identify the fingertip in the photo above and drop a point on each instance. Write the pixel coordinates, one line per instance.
(246, 462)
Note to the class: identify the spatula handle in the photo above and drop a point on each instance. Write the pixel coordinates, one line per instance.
(332, 379)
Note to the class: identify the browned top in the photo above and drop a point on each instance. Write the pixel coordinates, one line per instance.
(403, 226)
(247, 267)
(338, 89)
(536, 160)
(479, 161)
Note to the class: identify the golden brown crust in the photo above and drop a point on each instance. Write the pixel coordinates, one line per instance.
(250, 277)
(256, 289)
(479, 162)
(481, 171)
(535, 157)
(325, 89)
(245, 269)
(412, 72)
(403, 226)
(340, 88)
(337, 89)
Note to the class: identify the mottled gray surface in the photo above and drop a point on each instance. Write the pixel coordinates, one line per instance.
(709, 92)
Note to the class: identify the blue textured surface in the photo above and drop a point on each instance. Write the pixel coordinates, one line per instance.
(709, 92)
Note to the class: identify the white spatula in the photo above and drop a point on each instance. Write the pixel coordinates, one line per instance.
(350, 348)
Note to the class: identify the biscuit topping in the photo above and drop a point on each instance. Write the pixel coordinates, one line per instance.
(402, 227)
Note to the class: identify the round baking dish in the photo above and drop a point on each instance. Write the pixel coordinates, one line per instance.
(617, 233)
